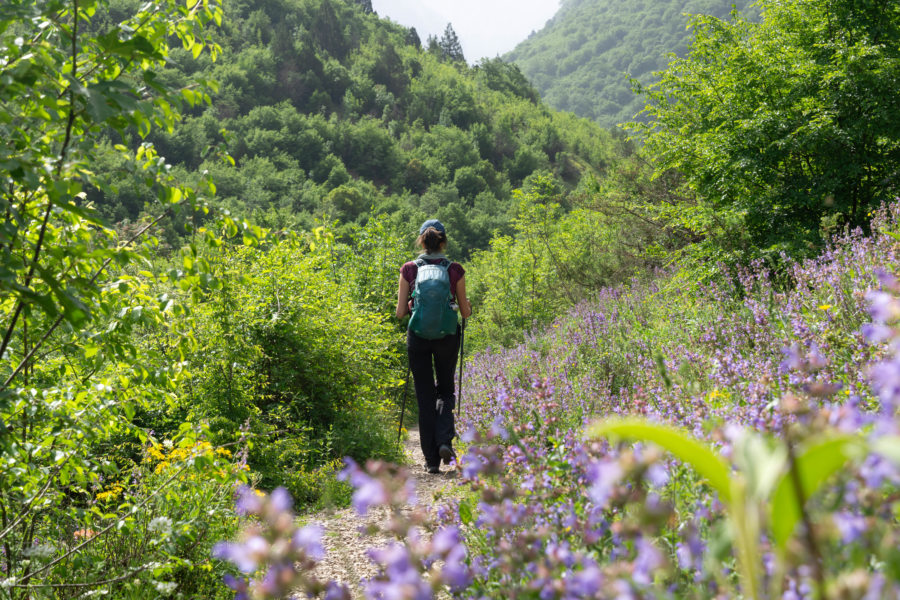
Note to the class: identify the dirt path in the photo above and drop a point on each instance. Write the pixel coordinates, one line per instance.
(346, 560)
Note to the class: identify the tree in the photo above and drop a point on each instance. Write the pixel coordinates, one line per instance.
(578, 61)
(412, 38)
(75, 362)
(506, 77)
(433, 46)
(785, 128)
(365, 5)
(451, 49)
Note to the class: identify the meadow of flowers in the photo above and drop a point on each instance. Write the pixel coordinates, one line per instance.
(675, 440)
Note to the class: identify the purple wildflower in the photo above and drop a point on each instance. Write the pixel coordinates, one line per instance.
(370, 492)
(280, 500)
(586, 582)
(876, 333)
(657, 475)
(793, 360)
(883, 307)
(886, 381)
(468, 435)
(248, 501)
(648, 560)
(876, 470)
(603, 477)
(403, 581)
(850, 526)
(472, 464)
(455, 573)
(337, 591)
(239, 585)
(309, 540)
(444, 540)
(245, 556)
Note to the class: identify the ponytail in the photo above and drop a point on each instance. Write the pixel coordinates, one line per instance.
(432, 240)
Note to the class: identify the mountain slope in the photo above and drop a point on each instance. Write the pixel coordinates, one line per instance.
(581, 60)
(334, 114)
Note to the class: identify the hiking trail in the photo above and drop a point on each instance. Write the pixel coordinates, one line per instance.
(345, 539)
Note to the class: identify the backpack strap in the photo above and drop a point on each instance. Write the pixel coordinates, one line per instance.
(419, 262)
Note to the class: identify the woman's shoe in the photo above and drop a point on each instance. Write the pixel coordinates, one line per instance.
(433, 469)
(446, 453)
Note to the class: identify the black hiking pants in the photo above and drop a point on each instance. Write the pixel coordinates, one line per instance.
(433, 363)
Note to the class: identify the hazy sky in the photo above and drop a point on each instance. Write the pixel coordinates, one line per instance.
(486, 28)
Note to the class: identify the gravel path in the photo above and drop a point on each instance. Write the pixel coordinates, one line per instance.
(345, 559)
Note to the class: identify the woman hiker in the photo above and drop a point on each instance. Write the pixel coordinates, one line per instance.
(432, 339)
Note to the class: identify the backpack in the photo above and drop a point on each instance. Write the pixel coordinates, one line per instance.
(432, 315)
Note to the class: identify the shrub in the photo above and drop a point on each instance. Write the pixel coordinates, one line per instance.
(284, 348)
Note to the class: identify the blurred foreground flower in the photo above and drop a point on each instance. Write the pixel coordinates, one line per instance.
(279, 556)
(418, 564)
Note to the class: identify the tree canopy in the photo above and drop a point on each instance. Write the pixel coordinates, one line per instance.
(582, 59)
(786, 128)
(333, 114)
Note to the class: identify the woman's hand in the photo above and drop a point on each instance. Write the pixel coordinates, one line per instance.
(465, 308)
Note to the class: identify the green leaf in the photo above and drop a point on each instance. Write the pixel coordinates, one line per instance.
(677, 441)
(814, 466)
(174, 195)
(465, 513)
(761, 460)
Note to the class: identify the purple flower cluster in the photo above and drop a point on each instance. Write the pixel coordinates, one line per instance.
(545, 513)
(717, 360)
(557, 517)
(374, 491)
(699, 354)
(426, 556)
(281, 555)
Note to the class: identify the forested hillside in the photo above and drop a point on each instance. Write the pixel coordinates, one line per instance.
(582, 59)
(333, 114)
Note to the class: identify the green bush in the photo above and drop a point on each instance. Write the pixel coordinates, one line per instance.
(285, 349)
(553, 260)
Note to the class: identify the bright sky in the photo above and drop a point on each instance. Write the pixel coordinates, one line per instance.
(486, 28)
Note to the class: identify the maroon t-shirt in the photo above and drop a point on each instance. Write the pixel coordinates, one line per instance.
(410, 270)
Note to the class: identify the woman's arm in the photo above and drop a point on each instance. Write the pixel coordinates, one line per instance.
(465, 307)
(402, 298)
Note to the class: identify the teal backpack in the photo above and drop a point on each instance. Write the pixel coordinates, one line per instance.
(432, 315)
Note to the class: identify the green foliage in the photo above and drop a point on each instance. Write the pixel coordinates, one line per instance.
(582, 59)
(783, 129)
(289, 356)
(813, 466)
(183, 492)
(332, 113)
(78, 509)
(556, 258)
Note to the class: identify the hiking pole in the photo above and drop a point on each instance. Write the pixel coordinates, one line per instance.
(403, 409)
(462, 341)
